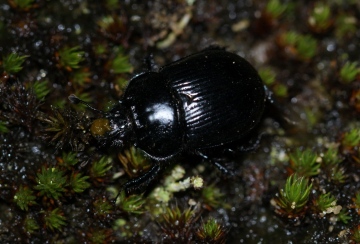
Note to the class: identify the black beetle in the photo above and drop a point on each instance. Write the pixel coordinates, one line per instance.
(201, 101)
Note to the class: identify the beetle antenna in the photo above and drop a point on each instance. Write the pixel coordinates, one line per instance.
(75, 100)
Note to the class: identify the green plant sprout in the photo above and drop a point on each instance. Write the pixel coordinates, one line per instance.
(112, 4)
(109, 20)
(319, 18)
(102, 207)
(349, 72)
(212, 196)
(101, 167)
(23, 4)
(131, 204)
(121, 82)
(70, 58)
(24, 198)
(304, 163)
(99, 236)
(331, 163)
(356, 201)
(54, 219)
(331, 157)
(120, 64)
(325, 202)
(267, 76)
(12, 63)
(345, 26)
(211, 232)
(356, 234)
(30, 224)
(100, 49)
(41, 89)
(59, 103)
(351, 138)
(78, 182)
(305, 46)
(3, 127)
(343, 216)
(275, 8)
(173, 218)
(338, 175)
(50, 182)
(80, 77)
(69, 158)
(294, 196)
(134, 161)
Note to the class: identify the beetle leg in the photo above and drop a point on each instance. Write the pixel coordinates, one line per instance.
(219, 166)
(149, 62)
(269, 95)
(144, 179)
(251, 145)
(222, 169)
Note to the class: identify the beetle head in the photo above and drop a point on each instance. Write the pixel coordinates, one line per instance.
(113, 128)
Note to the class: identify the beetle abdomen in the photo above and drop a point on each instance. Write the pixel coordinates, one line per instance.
(222, 96)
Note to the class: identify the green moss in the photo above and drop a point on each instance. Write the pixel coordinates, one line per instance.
(325, 201)
(102, 207)
(304, 163)
(112, 4)
(70, 58)
(356, 200)
(23, 4)
(349, 72)
(275, 8)
(13, 62)
(212, 196)
(351, 138)
(268, 76)
(41, 89)
(121, 82)
(331, 164)
(101, 167)
(344, 216)
(332, 157)
(211, 232)
(320, 17)
(99, 236)
(3, 127)
(345, 26)
(51, 182)
(54, 220)
(134, 161)
(305, 46)
(356, 235)
(78, 182)
(24, 198)
(132, 204)
(120, 63)
(294, 196)
(174, 218)
(69, 158)
(81, 77)
(30, 225)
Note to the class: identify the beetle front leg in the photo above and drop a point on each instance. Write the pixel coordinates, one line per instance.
(143, 180)
(219, 166)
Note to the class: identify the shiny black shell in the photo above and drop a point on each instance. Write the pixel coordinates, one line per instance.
(204, 100)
